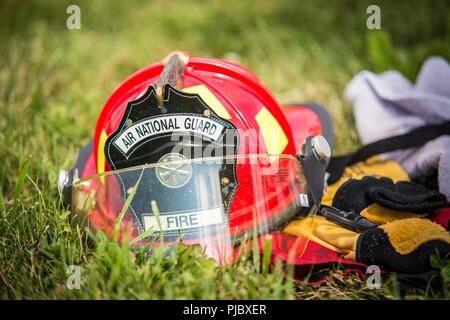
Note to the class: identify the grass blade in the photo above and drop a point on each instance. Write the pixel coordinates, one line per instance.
(267, 255)
(125, 207)
(19, 184)
(2, 202)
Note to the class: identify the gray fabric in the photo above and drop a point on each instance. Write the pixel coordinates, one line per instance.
(388, 104)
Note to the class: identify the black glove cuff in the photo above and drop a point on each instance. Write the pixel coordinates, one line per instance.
(374, 248)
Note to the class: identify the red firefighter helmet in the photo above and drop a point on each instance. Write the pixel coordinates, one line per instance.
(196, 150)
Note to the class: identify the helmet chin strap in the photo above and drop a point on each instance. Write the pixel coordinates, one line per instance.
(314, 157)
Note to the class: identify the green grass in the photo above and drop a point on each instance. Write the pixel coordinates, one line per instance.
(55, 81)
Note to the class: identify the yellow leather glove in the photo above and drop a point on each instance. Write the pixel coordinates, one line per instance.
(335, 237)
(403, 242)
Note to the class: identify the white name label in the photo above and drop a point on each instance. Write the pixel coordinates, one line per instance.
(165, 124)
(185, 220)
(303, 200)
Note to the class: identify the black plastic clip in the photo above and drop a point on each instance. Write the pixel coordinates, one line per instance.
(349, 220)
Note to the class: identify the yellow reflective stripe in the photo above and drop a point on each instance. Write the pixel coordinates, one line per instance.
(101, 154)
(210, 99)
(274, 137)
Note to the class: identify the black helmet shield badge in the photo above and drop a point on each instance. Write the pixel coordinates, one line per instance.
(185, 127)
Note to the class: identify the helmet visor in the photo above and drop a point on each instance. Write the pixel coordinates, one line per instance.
(214, 202)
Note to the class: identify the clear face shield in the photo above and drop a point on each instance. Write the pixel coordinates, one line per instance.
(212, 202)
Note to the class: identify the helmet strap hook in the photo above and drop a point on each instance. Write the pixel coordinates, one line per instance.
(314, 156)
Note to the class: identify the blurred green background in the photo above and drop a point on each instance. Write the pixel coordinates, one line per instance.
(54, 82)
